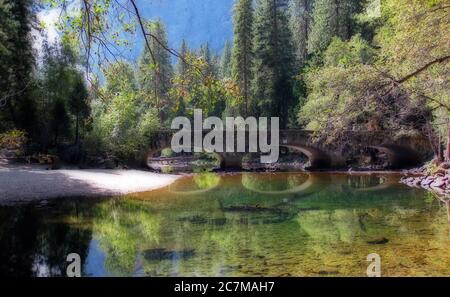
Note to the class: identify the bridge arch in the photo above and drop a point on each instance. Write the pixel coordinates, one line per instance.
(151, 158)
(399, 156)
(317, 158)
(402, 154)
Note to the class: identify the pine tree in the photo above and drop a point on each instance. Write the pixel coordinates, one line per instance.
(8, 26)
(78, 104)
(324, 26)
(225, 67)
(155, 69)
(332, 18)
(211, 60)
(242, 56)
(300, 23)
(184, 52)
(273, 61)
(17, 62)
(62, 89)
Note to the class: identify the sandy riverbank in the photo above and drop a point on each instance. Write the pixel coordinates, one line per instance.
(28, 183)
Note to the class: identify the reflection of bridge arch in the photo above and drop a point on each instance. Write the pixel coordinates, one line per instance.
(197, 192)
(387, 183)
(301, 188)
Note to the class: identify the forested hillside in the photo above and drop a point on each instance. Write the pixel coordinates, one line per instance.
(334, 67)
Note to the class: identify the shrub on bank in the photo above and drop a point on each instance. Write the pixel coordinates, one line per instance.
(13, 140)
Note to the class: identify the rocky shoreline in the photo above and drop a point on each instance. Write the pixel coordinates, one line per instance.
(438, 180)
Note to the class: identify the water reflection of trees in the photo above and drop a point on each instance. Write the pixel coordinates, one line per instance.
(207, 241)
(36, 242)
(230, 231)
(198, 184)
(346, 226)
(122, 228)
(273, 183)
(208, 235)
(364, 181)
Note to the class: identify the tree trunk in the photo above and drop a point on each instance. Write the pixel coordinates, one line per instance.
(12, 111)
(440, 156)
(448, 211)
(434, 140)
(77, 125)
(447, 152)
(56, 137)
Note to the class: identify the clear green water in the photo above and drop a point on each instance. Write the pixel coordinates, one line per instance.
(250, 224)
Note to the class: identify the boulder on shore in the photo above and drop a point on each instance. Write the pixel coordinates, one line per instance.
(427, 181)
(438, 182)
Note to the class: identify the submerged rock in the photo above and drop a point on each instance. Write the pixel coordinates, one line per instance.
(379, 241)
(249, 208)
(219, 221)
(196, 219)
(326, 272)
(163, 254)
(309, 209)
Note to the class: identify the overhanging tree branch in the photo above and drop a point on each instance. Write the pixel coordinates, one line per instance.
(421, 69)
(144, 33)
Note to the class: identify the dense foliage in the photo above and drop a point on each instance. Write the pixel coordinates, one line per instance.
(336, 67)
(391, 83)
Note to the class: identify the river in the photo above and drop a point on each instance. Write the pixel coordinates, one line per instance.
(241, 224)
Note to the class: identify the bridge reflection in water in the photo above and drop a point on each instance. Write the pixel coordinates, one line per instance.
(284, 185)
(270, 224)
(294, 183)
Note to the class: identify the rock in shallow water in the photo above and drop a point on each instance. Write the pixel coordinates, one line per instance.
(379, 241)
(163, 254)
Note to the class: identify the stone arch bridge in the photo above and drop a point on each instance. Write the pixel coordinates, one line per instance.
(401, 153)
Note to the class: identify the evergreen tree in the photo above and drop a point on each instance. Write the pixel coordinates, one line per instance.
(273, 61)
(184, 52)
(178, 107)
(17, 62)
(8, 25)
(78, 104)
(242, 56)
(225, 67)
(332, 18)
(300, 23)
(62, 89)
(211, 60)
(154, 76)
(59, 120)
